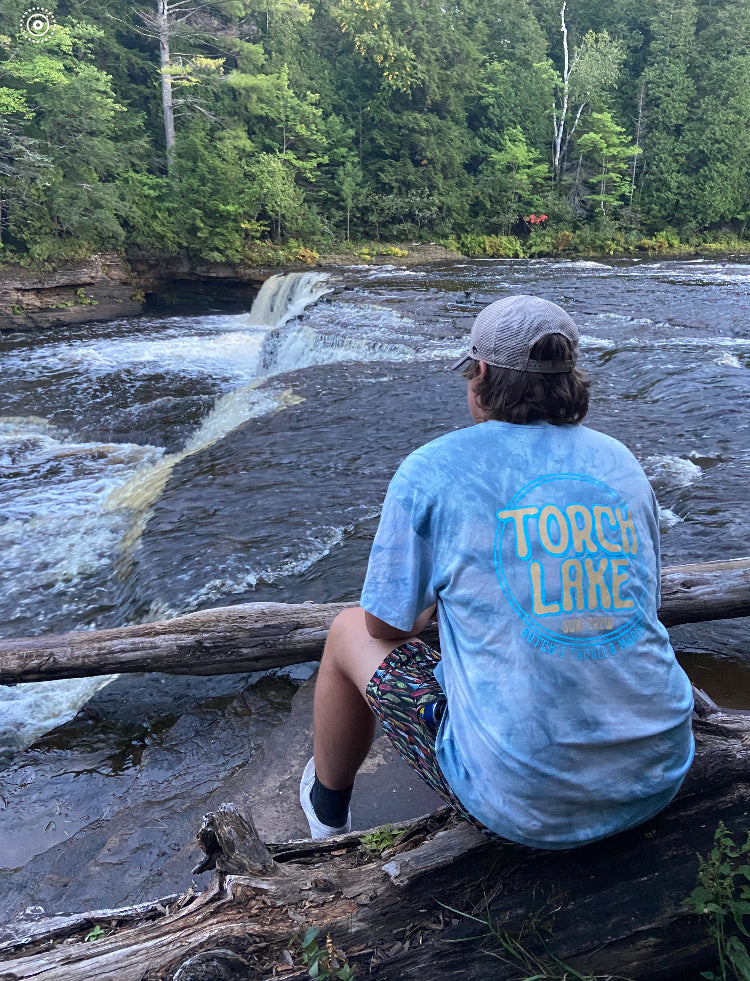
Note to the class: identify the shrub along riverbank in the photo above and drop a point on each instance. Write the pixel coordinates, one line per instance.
(547, 242)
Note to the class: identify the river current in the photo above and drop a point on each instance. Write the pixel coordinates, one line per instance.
(159, 465)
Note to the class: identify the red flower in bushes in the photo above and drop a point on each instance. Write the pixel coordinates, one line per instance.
(535, 219)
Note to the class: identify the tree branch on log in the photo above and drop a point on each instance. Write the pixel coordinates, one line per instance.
(258, 636)
(614, 908)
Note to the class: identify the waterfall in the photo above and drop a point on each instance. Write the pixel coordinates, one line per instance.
(282, 297)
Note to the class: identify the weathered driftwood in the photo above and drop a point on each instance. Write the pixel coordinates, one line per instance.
(258, 636)
(615, 908)
(705, 591)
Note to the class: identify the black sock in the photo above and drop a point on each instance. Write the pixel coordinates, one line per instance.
(330, 806)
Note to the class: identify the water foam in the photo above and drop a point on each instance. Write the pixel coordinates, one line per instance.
(55, 528)
(28, 711)
(54, 532)
(280, 298)
(667, 519)
(673, 471)
(146, 485)
(596, 343)
(729, 361)
(72, 509)
(304, 347)
(690, 271)
(230, 354)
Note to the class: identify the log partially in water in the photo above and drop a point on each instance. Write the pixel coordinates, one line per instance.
(258, 636)
(612, 909)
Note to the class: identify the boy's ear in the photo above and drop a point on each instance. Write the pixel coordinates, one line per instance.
(482, 369)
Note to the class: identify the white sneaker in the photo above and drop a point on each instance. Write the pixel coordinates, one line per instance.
(317, 828)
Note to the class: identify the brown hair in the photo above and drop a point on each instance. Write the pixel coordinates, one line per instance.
(507, 395)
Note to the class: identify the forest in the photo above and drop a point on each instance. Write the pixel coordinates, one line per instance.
(234, 131)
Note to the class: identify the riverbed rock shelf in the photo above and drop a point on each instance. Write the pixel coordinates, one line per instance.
(107, 287)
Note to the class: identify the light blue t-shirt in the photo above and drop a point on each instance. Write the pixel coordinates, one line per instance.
(568, 716)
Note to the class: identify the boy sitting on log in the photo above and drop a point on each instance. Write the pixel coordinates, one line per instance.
(556, 713)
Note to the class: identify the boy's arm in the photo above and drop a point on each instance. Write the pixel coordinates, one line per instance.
(381, 630)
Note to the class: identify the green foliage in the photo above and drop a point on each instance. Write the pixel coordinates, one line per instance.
(549, 241)
(96, 933)
(596, 67)
(670, 93)
(378, 840)
(606, 144)
(150, 213)
(324, 961)
(722, 896)
(487, 246)
(514, 174)
(363, 119)
(84, 300)
(367, 23)
(391, 250)
(267, 253)
(665, 240)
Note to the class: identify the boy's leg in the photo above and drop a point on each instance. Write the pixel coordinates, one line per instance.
(350, 681)
(343, 722)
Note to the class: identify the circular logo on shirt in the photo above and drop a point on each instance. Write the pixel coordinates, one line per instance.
(568, 557)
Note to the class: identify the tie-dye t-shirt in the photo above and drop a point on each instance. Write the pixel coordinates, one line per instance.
(568, 716)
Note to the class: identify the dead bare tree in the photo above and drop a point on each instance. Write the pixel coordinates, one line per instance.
(592, 68)
(169, 19)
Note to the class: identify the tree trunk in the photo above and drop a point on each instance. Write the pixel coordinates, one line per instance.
(166, 78)
(559, 123)
(442, 901)
(258, 636)
(637, 140)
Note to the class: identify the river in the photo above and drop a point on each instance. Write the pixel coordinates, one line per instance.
(159, 465)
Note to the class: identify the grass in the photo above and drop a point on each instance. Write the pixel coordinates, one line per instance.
(527, 949)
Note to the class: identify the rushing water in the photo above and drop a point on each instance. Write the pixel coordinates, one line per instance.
(156, 466)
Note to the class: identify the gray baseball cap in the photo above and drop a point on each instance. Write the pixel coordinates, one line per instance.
(505, 331)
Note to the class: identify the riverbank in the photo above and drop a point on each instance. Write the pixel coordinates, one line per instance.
(109, 286)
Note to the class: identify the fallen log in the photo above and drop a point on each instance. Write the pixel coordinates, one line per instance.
(702, 591)
(440, 900)
(259, 636)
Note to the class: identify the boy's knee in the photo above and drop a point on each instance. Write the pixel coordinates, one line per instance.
(349, 622)
(351, 651)
(346, 630)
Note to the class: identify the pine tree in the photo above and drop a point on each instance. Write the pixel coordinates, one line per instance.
(606, 145)
(717, 131)
(669, 102)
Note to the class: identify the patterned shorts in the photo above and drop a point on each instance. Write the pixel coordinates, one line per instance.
(404, 683)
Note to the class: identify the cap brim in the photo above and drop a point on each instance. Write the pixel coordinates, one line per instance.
(460, 363)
